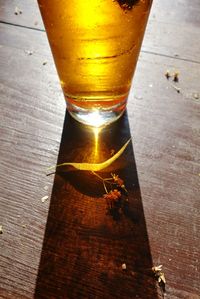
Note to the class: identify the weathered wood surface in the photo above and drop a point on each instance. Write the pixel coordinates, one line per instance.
(70, 246)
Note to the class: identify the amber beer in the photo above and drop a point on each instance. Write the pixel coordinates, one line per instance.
(95, 44)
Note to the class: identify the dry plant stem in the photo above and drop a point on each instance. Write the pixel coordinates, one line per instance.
(125, 189)
(105, 187)
(95, 166)
(178, 89)
(103, 180)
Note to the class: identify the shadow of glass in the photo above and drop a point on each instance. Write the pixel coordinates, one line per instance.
(86, 239)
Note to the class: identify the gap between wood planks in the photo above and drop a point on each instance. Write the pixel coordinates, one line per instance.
(142, 51)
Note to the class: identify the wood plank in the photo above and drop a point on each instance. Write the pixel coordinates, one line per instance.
(88, 239)
(173, 27)
(168, 165)
(30, 15)
(83, 247)
(32, 112)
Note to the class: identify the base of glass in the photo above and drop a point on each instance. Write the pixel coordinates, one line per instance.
(97, 117)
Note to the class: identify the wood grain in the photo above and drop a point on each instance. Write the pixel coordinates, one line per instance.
(72, 246)
(88, 238)
(31, 126)
(30, 16)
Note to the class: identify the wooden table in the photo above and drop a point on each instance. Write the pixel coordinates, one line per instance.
(72, 245)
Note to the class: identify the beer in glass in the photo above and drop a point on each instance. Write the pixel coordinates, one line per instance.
(95, 45)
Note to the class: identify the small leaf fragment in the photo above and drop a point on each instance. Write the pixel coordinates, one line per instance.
(44, 198)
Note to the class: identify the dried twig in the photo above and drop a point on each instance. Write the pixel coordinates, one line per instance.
(95, 166)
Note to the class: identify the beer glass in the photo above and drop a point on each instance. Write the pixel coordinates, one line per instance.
(95, 45)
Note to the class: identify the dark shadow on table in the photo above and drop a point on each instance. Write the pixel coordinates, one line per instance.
(85, 241)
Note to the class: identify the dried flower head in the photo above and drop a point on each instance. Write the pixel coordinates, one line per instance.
(113, 195)
(117, 180)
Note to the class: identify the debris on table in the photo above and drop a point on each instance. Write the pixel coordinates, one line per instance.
(178, 89)
(94, 166)
(44, 198)
(176, 77)
(112, 152)
(196, 95)
(1, 229)
(159, 275)
(123, 266)
(118, 181)
(112, 196)
(174, 74)
(44, 63)
(18, 11)
(167, 74)
(29, 52)
(139, 97)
